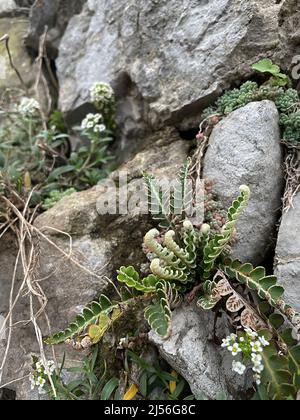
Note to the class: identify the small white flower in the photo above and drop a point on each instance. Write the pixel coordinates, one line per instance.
(234, 349)
(242, 340)
(238, 367)
(256, 359)
(40, 382)
(101, 93)
(257, 379)
(93, 122)
(258, 368)
(252, 334)
(28, 107)
(256, 347)
(263, 341)
(233, 337)
(226, 343)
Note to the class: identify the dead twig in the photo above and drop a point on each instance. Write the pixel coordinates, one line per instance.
(292, 175)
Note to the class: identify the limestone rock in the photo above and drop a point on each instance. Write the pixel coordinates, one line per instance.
(7, 6)
(191, 351)
(288, 254)
(178, 54)
(55, 15)
(245, 149)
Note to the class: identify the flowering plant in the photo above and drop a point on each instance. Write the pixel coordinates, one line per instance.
(250, 345)
(40, 376)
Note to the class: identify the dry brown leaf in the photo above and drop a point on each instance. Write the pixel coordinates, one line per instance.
(234, 303)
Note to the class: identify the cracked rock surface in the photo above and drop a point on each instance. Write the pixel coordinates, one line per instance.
(245, 149)
(288, 254)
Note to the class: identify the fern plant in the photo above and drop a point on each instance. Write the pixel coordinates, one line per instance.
(184, 258)
(177, 266)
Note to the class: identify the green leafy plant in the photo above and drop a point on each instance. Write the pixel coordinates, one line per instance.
(267, 66)
(276, 89)
(55, 196)
(38, 154)
(155, 382)
(90, 382)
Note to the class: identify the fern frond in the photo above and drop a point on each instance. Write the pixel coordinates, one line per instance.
(166, 254)
(89, 315)
(131, 278)
(182, 198)
(191, 241)
(216, 246)
(266, 287)
(159, 203)
(169, 273)
(159, 315)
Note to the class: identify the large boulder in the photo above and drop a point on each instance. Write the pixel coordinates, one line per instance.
(287, 259)
(73, 273)
(179, 54)
(245, 148)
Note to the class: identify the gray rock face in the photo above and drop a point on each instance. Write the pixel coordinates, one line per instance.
(55, 14)
(288, 254)
(7, 6)
(245, 149)
(100, 245)
(191, 351)
(179, 54)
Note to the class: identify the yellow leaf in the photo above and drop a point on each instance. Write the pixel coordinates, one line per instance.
(173, 384)
(117, 313)
(27, 181)
(96, 332)
(131, 393)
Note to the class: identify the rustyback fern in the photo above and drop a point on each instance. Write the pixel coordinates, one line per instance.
(90, 315)
(159, 315)
(216, 246)
(266, 287)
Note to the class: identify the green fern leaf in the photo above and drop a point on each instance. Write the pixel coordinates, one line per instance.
(131, 278)
(159, 314)
(88, 316)
(215, 246)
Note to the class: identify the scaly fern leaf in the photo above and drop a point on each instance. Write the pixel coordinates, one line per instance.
(159, 315)
(216, 246)
(90, 315)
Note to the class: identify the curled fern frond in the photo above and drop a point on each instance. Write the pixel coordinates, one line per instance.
(167, 253)
(168, 273)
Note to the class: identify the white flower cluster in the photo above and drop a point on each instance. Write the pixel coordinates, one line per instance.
(39, 377)
(28, 107)
(102, 94)
(94, 123)
(251, 346)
